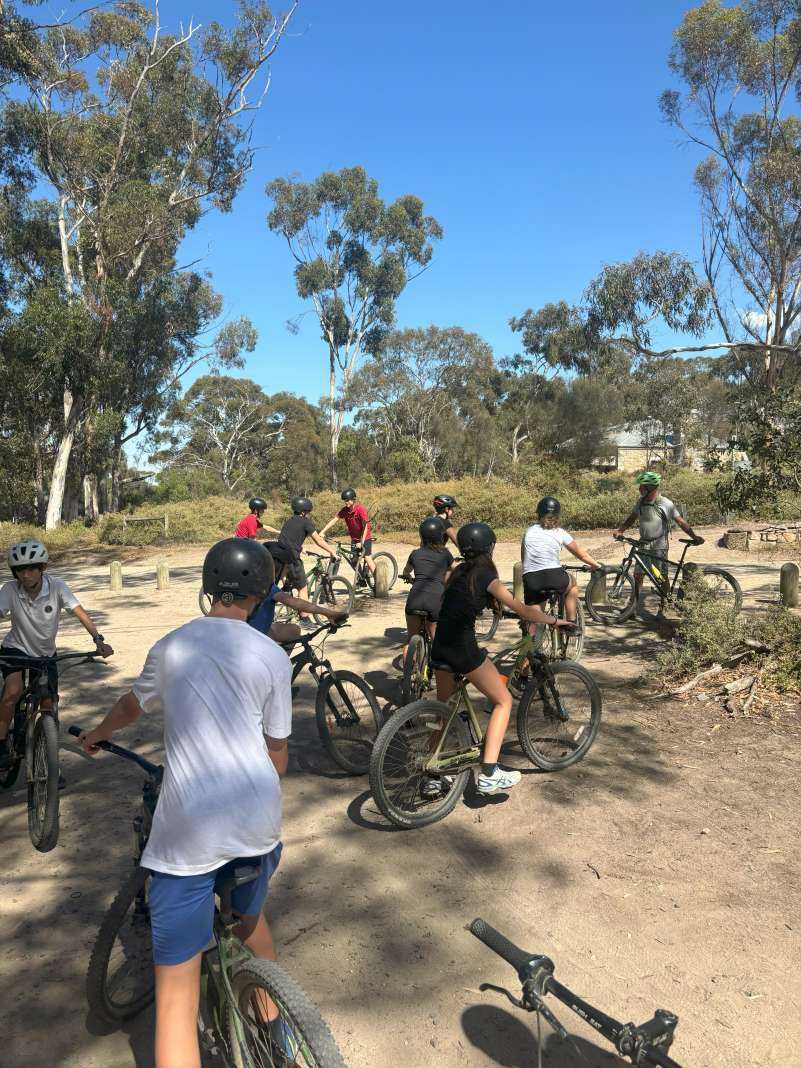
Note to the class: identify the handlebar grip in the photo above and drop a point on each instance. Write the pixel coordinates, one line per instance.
(77, 731)
(495, 941)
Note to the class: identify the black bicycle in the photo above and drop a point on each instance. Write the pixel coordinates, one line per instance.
(363, 577)
(33, 738)
(566, 643)
(346, 710)
(611, 595)
(643, 1044)
(234, 985)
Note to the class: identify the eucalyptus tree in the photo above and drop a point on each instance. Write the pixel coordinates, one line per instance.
(354, 256)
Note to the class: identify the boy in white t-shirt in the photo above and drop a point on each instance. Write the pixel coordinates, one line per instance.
(540, 551)
(224, 690)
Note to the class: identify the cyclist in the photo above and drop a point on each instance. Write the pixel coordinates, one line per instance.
(469, 588)
(263, 618)
(444, 506)
(430, 565)
(252, 524)
(539, 551)
(654, 513)
(34, 601)
(224, 692)
(356, 519)
(291, 538)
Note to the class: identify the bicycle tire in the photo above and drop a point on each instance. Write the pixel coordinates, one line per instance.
(316, 1046)
(368, 574)
(336, 592)
(204, 601)
(413, 684)
(621, 608)
(43, 796)
(728, 580)
(348, 745)
(569, 646)
(487, 624)
(99, 988)
(414, 723)
(537, 720)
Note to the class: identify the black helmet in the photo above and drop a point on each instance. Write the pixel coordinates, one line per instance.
(432, 531)
(548, 506)
(444, 500)
(300, 504)
(348, 495)
(257, 504)
(474, 539)
(237, 568)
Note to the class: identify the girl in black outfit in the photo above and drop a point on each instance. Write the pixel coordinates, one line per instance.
(430, 565)
(469, 589)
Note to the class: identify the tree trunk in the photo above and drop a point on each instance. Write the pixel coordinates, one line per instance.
(58, 479)
(91, 508)
(332, 414)
(39, 482)
(116, 476)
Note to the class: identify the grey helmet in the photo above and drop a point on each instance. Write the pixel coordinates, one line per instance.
(27, 553)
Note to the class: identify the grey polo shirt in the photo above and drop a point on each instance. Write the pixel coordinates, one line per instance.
(34, 624)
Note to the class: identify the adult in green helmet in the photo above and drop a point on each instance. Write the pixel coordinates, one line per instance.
(654, 513)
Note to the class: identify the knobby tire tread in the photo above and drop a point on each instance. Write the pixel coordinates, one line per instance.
(596, 705)
(45, 837)
(415, 660)
(329, 741)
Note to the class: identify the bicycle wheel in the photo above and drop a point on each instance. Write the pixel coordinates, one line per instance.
(722, 587)
(487, 624)
(567, 646)
(204, 602)
(348, 720)
(333, 593)
(614, 601)
(557, 724)
(301, 1037)
(405, 793)
(393, 570)
(415, 670)
(120, 981)
(43, 784)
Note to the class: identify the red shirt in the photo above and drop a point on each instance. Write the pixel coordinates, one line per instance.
(248, 527)
(357, 521)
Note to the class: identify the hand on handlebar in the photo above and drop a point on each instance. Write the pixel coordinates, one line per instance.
(697, 540)
(105, 650)
(88, 740)
(617, 535)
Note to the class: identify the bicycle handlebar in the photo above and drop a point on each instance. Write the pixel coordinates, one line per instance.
(501, 945)
(156, 770)
(26, 661)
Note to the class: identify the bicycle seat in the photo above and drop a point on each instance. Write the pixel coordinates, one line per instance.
(421, 614)
(224, 885)
(440, 665)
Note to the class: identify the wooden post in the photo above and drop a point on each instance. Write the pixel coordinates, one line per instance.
(162, 575)
(788, 585)
(598, 583)
(115, 576)
(381, 585)
(517, 580)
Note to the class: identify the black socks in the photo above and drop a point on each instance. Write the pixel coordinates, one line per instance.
(489, 769)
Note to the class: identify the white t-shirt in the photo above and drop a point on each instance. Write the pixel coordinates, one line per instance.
(34, 624)
(222, 686)
(656, 519)
(541, 548)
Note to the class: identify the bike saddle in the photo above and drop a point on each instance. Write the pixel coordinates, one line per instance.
(225, 884)
(440, 665)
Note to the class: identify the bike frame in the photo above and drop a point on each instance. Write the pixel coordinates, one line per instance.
(664, 585)
(319, 667)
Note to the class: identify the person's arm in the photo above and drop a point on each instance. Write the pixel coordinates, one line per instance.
(531, 612)
(451, 532)
(408, 570)
(278, 748)
(83, 617)
(299, 605)
(629, 521)
(328, 525)
(315, 537)
(685, 526)
(582, 554)
(270, 530)
(125, 712)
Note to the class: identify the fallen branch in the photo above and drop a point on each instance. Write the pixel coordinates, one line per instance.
(714, 670)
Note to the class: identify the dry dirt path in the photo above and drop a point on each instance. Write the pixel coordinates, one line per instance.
(662, 871)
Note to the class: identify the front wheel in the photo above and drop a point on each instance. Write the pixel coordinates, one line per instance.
(610, 596)
(407, 792)
(393, 570)
(299, 1036)
(204, 601)
(348, 720)
(559, 715)
(43, 783)
(718, 585)
(415, 670)
(333, 593)
(487, 624)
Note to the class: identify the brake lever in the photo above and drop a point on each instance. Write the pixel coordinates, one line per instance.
(531, 1002)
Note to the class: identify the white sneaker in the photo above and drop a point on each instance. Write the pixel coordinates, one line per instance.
(433, 788)
(498, 782)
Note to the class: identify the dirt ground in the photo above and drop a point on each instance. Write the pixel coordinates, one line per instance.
(663, 871)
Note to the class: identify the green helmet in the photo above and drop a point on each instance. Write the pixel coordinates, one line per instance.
(649, 478)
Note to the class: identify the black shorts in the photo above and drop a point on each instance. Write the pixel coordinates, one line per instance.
(294, 576)
(8, 651)
(460, 651)
(538, 585)
(426, 599)
(368, 546)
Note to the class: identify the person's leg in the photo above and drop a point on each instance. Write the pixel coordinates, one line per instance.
(414, 625)
(12, 691)
(571, 600)
(177, 999)
(446, 684)
(487, 680)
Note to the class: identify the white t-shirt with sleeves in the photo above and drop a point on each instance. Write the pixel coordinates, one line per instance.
(222, 686)
(34, 623)
(541, 548)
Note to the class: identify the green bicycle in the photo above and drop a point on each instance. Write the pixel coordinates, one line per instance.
(558, 716)
(234, 985)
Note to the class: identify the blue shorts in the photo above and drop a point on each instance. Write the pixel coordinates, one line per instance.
(182, 906)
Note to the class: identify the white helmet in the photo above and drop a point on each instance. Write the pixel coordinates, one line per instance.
(28, 552)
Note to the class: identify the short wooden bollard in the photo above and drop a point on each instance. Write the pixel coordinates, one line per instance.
(381, 585)
(517, 581)
(162, 575)
(788, 585)
(598, 583)
(115, 576)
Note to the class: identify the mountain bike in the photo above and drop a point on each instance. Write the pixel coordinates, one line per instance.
(558, 716)
(643, 1044)
(615, 601)
(417, 673)
(363, 577)
(234, 985)
(33, 738)
(346, 710)
(565, 644)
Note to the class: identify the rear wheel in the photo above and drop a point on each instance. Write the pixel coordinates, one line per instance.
(567, 645)
(415, 670)
(333, 593)
(204, 602)
(487, 624)
(558, 718)
(120, 982)
(407, 794)
(392, 563)
(348, 720)
(610, 596)
(43, 784)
